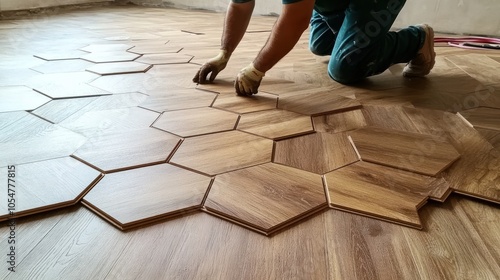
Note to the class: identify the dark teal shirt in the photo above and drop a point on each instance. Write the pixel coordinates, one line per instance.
(320, 5)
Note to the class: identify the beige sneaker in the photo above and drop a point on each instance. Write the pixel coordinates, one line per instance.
(423, 62)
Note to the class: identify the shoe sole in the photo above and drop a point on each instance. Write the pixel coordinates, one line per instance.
(429, 32)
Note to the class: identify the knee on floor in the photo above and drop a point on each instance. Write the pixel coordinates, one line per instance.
(320, 48)
(345, 71)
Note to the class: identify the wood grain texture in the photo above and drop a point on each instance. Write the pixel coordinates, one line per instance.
(492, 136)
(69, 90)
(319, 103)
(16, 77)
(93, 123)
(118, 68)
(36, 138)
(97, 48)
(48, 185)
(339, 122)
(63, 66)
(193, 122)
(414, 152)
(223, 152)
(135, 197)
(487, 118)
(319, 152)
(155, 47)
(379, 192)
(19, 98)
(178, 99)
(164, 58)
(110, 56)
(480, 67)
(389, 117)
(275, 124)
(266, 197)
(116, 151)
(60, 55)
(245, 104)
(476, 172)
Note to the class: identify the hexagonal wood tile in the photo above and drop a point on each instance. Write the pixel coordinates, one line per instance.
(136, 197)
(119, 68)
(487, 118)
(115, 151)
(17, 77)
(383, 193)
(47, 185)
(492, 136)
(106, 47)
(155, 48)
(65, 90)
(37, 139)
(414, 152)
(275, 124)
(317, 103)
(339, 122)
(63, 66)
(97, 122)
(16, 98)
(245, 104)
(222, 152)
(318, 152)
(266, 198)
(177, 99)
(165, 58)
(61, 55)
(480, 67)
(111, 56)
(198, 121)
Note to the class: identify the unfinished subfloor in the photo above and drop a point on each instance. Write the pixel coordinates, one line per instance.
(123, 168)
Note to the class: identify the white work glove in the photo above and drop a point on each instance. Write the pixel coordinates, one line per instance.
(248, 80)
(214, 66)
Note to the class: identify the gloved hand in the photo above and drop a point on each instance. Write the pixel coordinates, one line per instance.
(248, 80)
(214, 66)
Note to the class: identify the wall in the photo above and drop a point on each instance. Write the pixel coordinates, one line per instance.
(478, 17)
(11, 5)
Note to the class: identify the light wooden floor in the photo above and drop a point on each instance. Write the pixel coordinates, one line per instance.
(107, 74)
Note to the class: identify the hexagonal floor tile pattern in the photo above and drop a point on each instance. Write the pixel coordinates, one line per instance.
(414, 152)
(111, 56)
(113, 68)
(63, 66)
(106, 47)
(155, 48)
(136, 197)
(61, 55)
(318, 152)
(69, 90)
(245, 104)
(47, 185)
(17, 98)
(177, 99)
(266, 198)
(339, 122)
(198, 121)
(37, 139)
(275, 124)
(317, 103)
(382, 192)
(487, 118)
(165, 58)
(115, 151)
(223, 152)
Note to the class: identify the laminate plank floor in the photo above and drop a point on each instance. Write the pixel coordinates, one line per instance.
(331, 244)
(318, 152)
(266, 197)
(414, 152)
(198, 121)
(134, 197)
(63, 182)
(223, 152)
(487, 118)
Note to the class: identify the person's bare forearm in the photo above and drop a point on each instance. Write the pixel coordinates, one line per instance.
(293, 21)
(235, 24)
